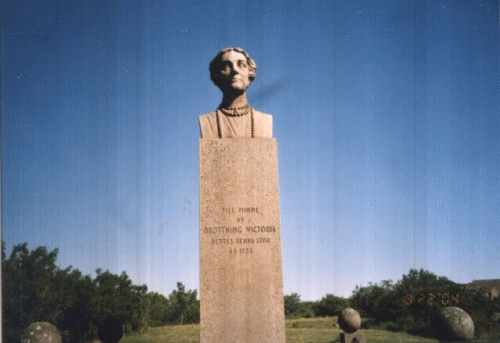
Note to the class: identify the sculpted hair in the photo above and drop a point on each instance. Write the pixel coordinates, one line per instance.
(216, 65)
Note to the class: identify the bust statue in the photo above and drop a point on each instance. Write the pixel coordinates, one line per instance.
(232, 71)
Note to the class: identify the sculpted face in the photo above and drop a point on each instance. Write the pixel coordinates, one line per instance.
(234, 74)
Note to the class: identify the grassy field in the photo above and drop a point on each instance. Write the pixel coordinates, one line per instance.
(317, 330)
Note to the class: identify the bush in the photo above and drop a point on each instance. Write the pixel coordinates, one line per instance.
(183, 308)
(331, 305)
(115, 296)
(412, 303)
(304, 310)
(35, 289)
(295, 309)
(157, 306)
(292, 303)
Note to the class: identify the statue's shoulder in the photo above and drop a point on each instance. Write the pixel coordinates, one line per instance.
(259, 113)
(208, 125)
(263, 124)
(207, 116)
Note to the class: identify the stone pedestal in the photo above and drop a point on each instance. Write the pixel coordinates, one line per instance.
(241, 290)
(351, 338)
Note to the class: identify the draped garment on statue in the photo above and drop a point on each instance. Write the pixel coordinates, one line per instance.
(236, 126)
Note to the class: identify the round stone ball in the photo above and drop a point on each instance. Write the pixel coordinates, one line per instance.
(454, 324)
(41, 332)
(349, 320)
(110, 331)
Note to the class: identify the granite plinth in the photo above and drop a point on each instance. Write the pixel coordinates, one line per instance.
(241, 292)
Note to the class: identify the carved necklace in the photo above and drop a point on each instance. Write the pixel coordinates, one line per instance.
(235, 111)
(250, 109)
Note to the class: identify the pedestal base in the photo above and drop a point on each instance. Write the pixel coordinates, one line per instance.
(352, 338)
(241, 292)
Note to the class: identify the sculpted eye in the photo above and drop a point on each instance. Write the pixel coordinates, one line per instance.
(242, 65)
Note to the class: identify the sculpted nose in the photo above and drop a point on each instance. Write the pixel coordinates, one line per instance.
(235, 70)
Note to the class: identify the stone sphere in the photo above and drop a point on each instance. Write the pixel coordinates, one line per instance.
(110, 331)
(349, 320)
(454, 324)
(41, 332)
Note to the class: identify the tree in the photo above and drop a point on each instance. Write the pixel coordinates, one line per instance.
(413, 303)
(35, 289)
(116, 297)
(292, 303)
(158, 309)
(26, 289)
(307, 309)
(184, 307)
(72, 311)
(366, 299)
(331, 305)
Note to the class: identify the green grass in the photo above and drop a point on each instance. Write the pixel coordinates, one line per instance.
(315, 330)
(174, 334)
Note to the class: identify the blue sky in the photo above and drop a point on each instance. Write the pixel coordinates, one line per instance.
(386, 115)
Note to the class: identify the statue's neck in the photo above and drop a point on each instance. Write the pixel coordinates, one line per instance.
(234, 100)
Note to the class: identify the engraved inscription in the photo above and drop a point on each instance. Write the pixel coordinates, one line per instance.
(245, 241)
(223, 229)
(241, 210)
(241, 251)
(261, 229)
(238, 211)
(222, 241)
(249, 210)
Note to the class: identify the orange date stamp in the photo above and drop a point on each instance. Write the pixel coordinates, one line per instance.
(446, 298)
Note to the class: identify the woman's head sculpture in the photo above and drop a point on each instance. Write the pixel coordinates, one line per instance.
(217, 66)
